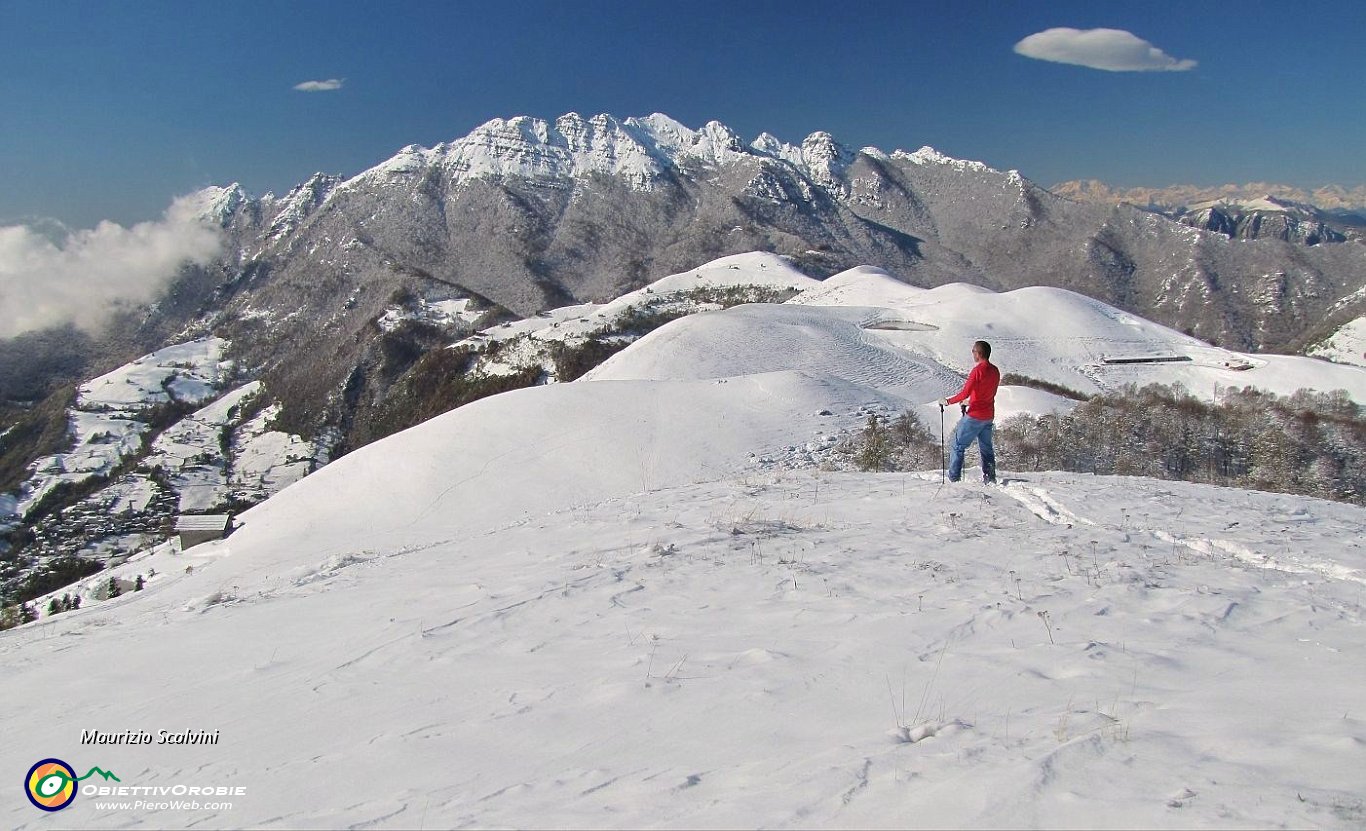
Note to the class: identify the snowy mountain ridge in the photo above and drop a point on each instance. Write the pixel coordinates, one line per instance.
(1260, 203)
(640, 151)
(528, 185)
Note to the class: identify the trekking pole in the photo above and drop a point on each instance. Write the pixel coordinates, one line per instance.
(942, 462)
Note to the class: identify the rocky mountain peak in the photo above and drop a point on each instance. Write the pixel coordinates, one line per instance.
(299, 203)
(927, 156)
(825, 160)
(217, 205)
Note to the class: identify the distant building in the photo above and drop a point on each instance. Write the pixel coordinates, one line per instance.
(195, 529)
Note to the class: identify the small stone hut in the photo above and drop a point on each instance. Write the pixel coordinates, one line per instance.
(197, 528)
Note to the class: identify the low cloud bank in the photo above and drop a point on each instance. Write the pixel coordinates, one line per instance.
(88, 275)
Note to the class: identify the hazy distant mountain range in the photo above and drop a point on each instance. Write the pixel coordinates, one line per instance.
(1254, 211)
(1329, 198)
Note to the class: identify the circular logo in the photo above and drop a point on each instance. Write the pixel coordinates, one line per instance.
(51, 784)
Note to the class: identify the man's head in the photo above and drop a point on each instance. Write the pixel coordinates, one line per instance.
(981, 350)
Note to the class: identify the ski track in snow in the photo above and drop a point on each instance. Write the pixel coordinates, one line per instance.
(1045, 507)
(1281, 558)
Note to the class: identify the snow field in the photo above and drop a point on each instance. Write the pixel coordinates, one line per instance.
(593, 604)
(768, 338)
(511, 456)
(804, 649)
(446, 313)
(184, 372)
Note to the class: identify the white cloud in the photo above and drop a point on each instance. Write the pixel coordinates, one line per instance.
(1113, 50)
(321, 86)
(86, 276)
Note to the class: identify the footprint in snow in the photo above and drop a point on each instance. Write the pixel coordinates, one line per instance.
(1181, 799)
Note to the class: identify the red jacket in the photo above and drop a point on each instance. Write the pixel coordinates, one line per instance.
(981, 388)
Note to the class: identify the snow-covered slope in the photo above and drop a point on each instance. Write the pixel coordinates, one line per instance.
(111, 413)
(744, 276)
(767, 338)
(799, 649)
(1347, 345)
(166, 433)
(905, 346)
(1065, 338)
(616, 603)
(550, 447)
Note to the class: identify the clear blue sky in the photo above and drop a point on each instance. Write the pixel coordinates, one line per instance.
(109, 109)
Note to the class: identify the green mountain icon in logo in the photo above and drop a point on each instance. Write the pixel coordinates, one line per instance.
(104, 773)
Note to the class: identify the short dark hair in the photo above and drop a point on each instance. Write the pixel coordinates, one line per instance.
(983, 347)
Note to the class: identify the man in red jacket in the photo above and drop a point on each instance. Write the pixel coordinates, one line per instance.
(980, 393)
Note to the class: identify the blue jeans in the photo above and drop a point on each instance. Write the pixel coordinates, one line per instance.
(967, 430)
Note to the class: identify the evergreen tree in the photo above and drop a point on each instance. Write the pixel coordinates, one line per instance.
(54, 606)
(114, 590)
(876, 451)
(137, 587)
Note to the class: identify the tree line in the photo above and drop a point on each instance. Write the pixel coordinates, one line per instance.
(1309, 443)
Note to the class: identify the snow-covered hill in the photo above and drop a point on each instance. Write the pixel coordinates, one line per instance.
(895, 345)
(636, 599)
(1346, 345)
(1066, 338)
